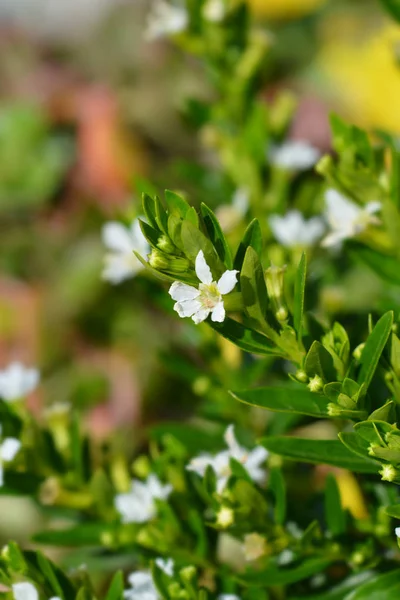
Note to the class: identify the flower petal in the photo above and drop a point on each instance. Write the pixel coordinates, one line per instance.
(181, 291)
(187, 308)
(139, 242)
(9, 448)
(227, 282)
(218, 313)
(203, 271)
(117, 237)
(25, 591)
(201, 315)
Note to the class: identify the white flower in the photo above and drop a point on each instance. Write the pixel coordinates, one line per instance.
(296, 155)
(214, 10)
(16, 381)
(166, 565)
(199, 303)
(121, 263)
(142, 587)
(230, 215)
(294, 230)
(138, 506)
(165, 19)
(228, 597)
(27, 591)
(345, 218)
(8, 450)
(397, 531)
(220, 463)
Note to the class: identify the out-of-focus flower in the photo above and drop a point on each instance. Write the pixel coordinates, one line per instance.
(138, 506)
(121, 263)
(165, 19)
(231, 215)
(199, 303)
(284, 9)
(362, 71)
(16, 381)
(345, 218)
(166, 565)
(296, 155)
(228, 597)
(220, 463)
(27, 591)
(214, 10)
(293, 229)
(8, 450)
(397, 531)
(142, 587)
(254, 546)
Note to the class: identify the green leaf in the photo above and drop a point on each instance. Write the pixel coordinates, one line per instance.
(285, 399)
(338, 592)
(176, 204)
(116, 589)
(373, 431)
(299, 289)
(319, 362)
(383, 587)
(327, 452)
(48, 572)
(252, 237)
(393, 7)
(386, 413)
(278, 488)
(374, 347)
(216, 236)
(193, 241)
(395, 353)
(149, 210)
(278, 575)
(393, 511)
(254, 291)
(356, 444)
(246, 339)
(152, 235)
(334, 513)
(87, 534)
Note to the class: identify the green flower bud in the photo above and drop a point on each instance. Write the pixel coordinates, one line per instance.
(166, 245)
(388, 473)
(315, 384)
(301, 376)
(188, 573)
(274, 282)
(358, 351)
(158, 260)
(225, 517)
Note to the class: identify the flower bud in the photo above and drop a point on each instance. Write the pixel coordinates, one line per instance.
(166, 245)
(315, 384)
(274, 282)
(301, 376)
(254, 546)
(187, 573)
(225, 517)
(158, 260)
(388, 473)
(358, 351)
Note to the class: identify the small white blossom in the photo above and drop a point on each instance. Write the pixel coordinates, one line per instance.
(120, 263)
(214, 10)
(231, 215)
(199, 303)
(228, 597)
(293, 229)
(220, 463)
(8, 450)
(166, 565)
(397, 531)
(27, 591)
(16, 381)
(345, 218)
(165, 19)
(296, 155)
(142, 587)
(138, 506)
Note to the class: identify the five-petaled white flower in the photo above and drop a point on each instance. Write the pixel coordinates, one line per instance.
(165, 19)
(27, 591)
(199, 303)
(230, 215)
(8, 450)
(293, 229)
(138, 506)
(121, 263)
(296, 155)
(16, 381)
(220, 463)
(142, 584)
(345, 218)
